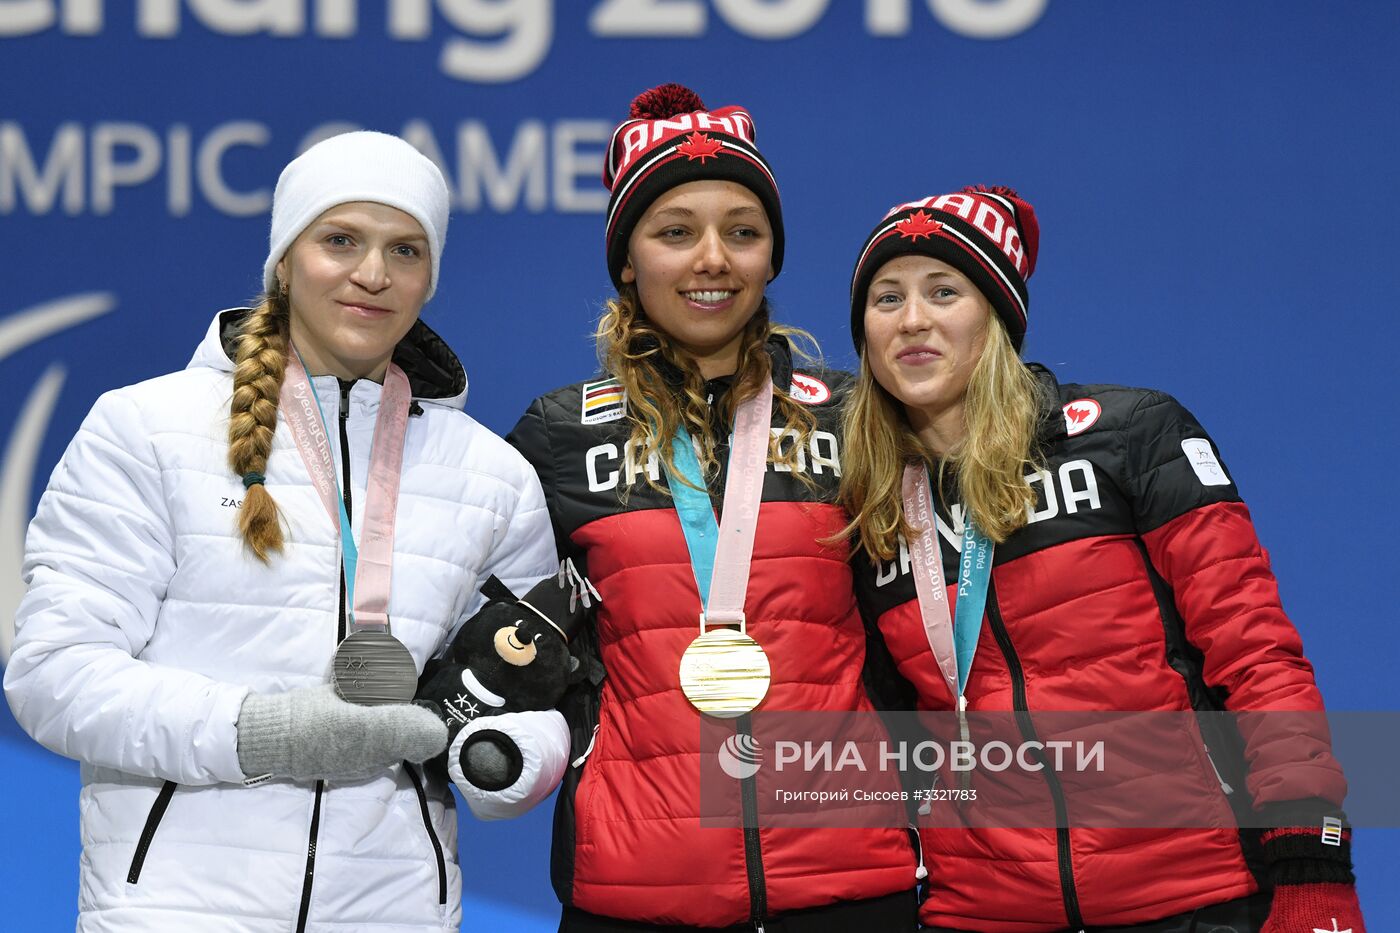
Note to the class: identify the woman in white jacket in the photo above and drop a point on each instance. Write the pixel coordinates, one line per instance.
(189, 585)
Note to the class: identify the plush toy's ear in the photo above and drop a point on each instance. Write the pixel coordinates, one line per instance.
(495, 591)
(577, 673)
(587, 668)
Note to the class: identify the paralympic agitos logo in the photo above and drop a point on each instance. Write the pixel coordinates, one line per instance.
(26, 437)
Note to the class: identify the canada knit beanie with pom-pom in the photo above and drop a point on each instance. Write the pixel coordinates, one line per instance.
(669, 139)
(989, 234)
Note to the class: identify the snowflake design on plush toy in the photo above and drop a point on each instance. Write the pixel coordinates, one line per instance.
(465, 704)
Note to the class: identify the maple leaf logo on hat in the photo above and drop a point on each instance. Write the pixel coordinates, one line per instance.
(699, 146)
(916, 225)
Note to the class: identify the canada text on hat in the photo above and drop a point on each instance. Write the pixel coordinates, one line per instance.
(990, 213)
(990, 234)
(669, 139)
(637, 136)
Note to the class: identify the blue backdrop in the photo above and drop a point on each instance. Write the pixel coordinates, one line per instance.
(1214, 183)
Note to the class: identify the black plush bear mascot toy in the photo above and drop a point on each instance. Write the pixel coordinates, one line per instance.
(511, 657)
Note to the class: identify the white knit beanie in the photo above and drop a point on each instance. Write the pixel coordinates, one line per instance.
(360, 166)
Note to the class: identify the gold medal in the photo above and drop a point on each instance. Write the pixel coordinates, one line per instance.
(724, 673)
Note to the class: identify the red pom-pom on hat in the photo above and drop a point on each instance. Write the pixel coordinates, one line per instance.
(992, 189)
(1026, 220)
(671, 138)
(664, 101)
(996, 253)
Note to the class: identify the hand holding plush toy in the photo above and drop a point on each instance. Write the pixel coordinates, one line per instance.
(496, 688)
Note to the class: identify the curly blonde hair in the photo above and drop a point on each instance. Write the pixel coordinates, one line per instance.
(629, 345)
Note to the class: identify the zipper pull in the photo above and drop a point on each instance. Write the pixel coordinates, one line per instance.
(587, 751)
(345, 388)
(1218, 776)
(965, 735)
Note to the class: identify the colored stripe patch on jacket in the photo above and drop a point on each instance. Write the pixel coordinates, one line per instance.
(603, 401)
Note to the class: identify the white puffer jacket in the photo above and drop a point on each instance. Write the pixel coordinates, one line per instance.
(147, 622)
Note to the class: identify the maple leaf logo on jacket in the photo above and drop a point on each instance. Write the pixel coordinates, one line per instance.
(918, 224)
(1080, 415)
(699, 146)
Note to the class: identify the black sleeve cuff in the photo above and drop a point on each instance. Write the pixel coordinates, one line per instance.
(1315, 854)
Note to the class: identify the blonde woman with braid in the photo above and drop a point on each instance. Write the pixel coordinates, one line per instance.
(1035, 549)
(191, 576)
(702, 426)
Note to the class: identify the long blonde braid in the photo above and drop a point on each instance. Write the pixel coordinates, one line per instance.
(261, 359)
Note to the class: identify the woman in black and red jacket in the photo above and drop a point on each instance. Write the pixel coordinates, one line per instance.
(694, 236)
(1124, 575)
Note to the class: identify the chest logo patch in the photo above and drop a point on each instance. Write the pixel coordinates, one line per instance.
(1203, 460)
(1080, 415)
(809, 390)
(603, 401)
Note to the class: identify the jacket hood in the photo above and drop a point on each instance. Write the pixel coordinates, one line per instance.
(434, 373)
(1051, 426)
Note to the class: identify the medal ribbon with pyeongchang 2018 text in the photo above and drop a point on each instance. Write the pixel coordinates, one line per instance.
(371, 666)
(724, 672)
(952, 638)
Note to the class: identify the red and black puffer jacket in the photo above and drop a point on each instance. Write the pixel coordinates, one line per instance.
(628, 839)
(1139, 585)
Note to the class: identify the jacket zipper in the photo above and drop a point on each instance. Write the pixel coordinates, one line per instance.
(1068, 891)
(310, 876)
(432, 836)
(344, 489)
(753, 849)
(1196, 692)
(148, 832)
(310, 860)
(748, 787)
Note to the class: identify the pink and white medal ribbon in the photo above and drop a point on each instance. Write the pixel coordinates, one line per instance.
(724, 671)
(953, 643)
(927, 562)
(371, 666)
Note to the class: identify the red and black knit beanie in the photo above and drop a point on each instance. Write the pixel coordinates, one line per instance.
(669, 139)
(989, 234)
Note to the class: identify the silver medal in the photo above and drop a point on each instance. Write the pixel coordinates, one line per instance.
(374, 668)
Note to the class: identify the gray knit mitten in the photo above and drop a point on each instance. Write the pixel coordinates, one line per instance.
(311, 732)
